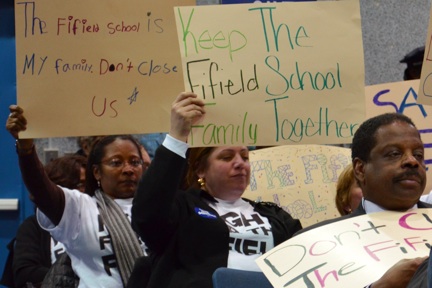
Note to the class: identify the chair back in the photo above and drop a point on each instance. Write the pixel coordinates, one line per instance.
(232, 278)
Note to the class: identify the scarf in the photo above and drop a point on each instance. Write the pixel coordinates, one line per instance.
(124, 240)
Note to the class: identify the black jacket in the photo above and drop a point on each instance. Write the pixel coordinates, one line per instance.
(186, 247)
(32, 253)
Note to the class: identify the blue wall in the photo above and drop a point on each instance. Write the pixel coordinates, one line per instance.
(11, 185)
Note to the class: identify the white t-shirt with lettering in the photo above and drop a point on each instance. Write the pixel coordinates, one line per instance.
(57, 249)
(250, 233)
(87, 240)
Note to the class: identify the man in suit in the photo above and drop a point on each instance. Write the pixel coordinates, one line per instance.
(388, 160)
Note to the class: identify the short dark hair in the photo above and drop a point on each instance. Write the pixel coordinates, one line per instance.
(364, 139)
(66, 170)
(97, 153)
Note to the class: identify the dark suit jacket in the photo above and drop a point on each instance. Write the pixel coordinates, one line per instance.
(420, 277)
(358, 212)
(32, 253)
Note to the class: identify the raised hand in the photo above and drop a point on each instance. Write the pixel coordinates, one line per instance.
(186, 110)
(15, 123)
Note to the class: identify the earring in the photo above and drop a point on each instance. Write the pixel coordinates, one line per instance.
(98, 182)
(201, 181)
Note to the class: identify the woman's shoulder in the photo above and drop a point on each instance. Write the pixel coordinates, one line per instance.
(77, 199)
(75, 193)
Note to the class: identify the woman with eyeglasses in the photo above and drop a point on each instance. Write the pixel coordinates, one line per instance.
(192, 233)
(93, 226)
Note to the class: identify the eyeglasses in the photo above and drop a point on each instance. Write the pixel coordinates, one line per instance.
(117, 163)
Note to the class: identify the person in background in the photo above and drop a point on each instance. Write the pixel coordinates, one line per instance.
(192, 233)
(348, 192)
(151, 142)
(388, 161)
(93, 226)
(68, 171)
(85, 144)
(414, 62)
(35, 251)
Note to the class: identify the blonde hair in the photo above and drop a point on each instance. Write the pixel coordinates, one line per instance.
(343, 187)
